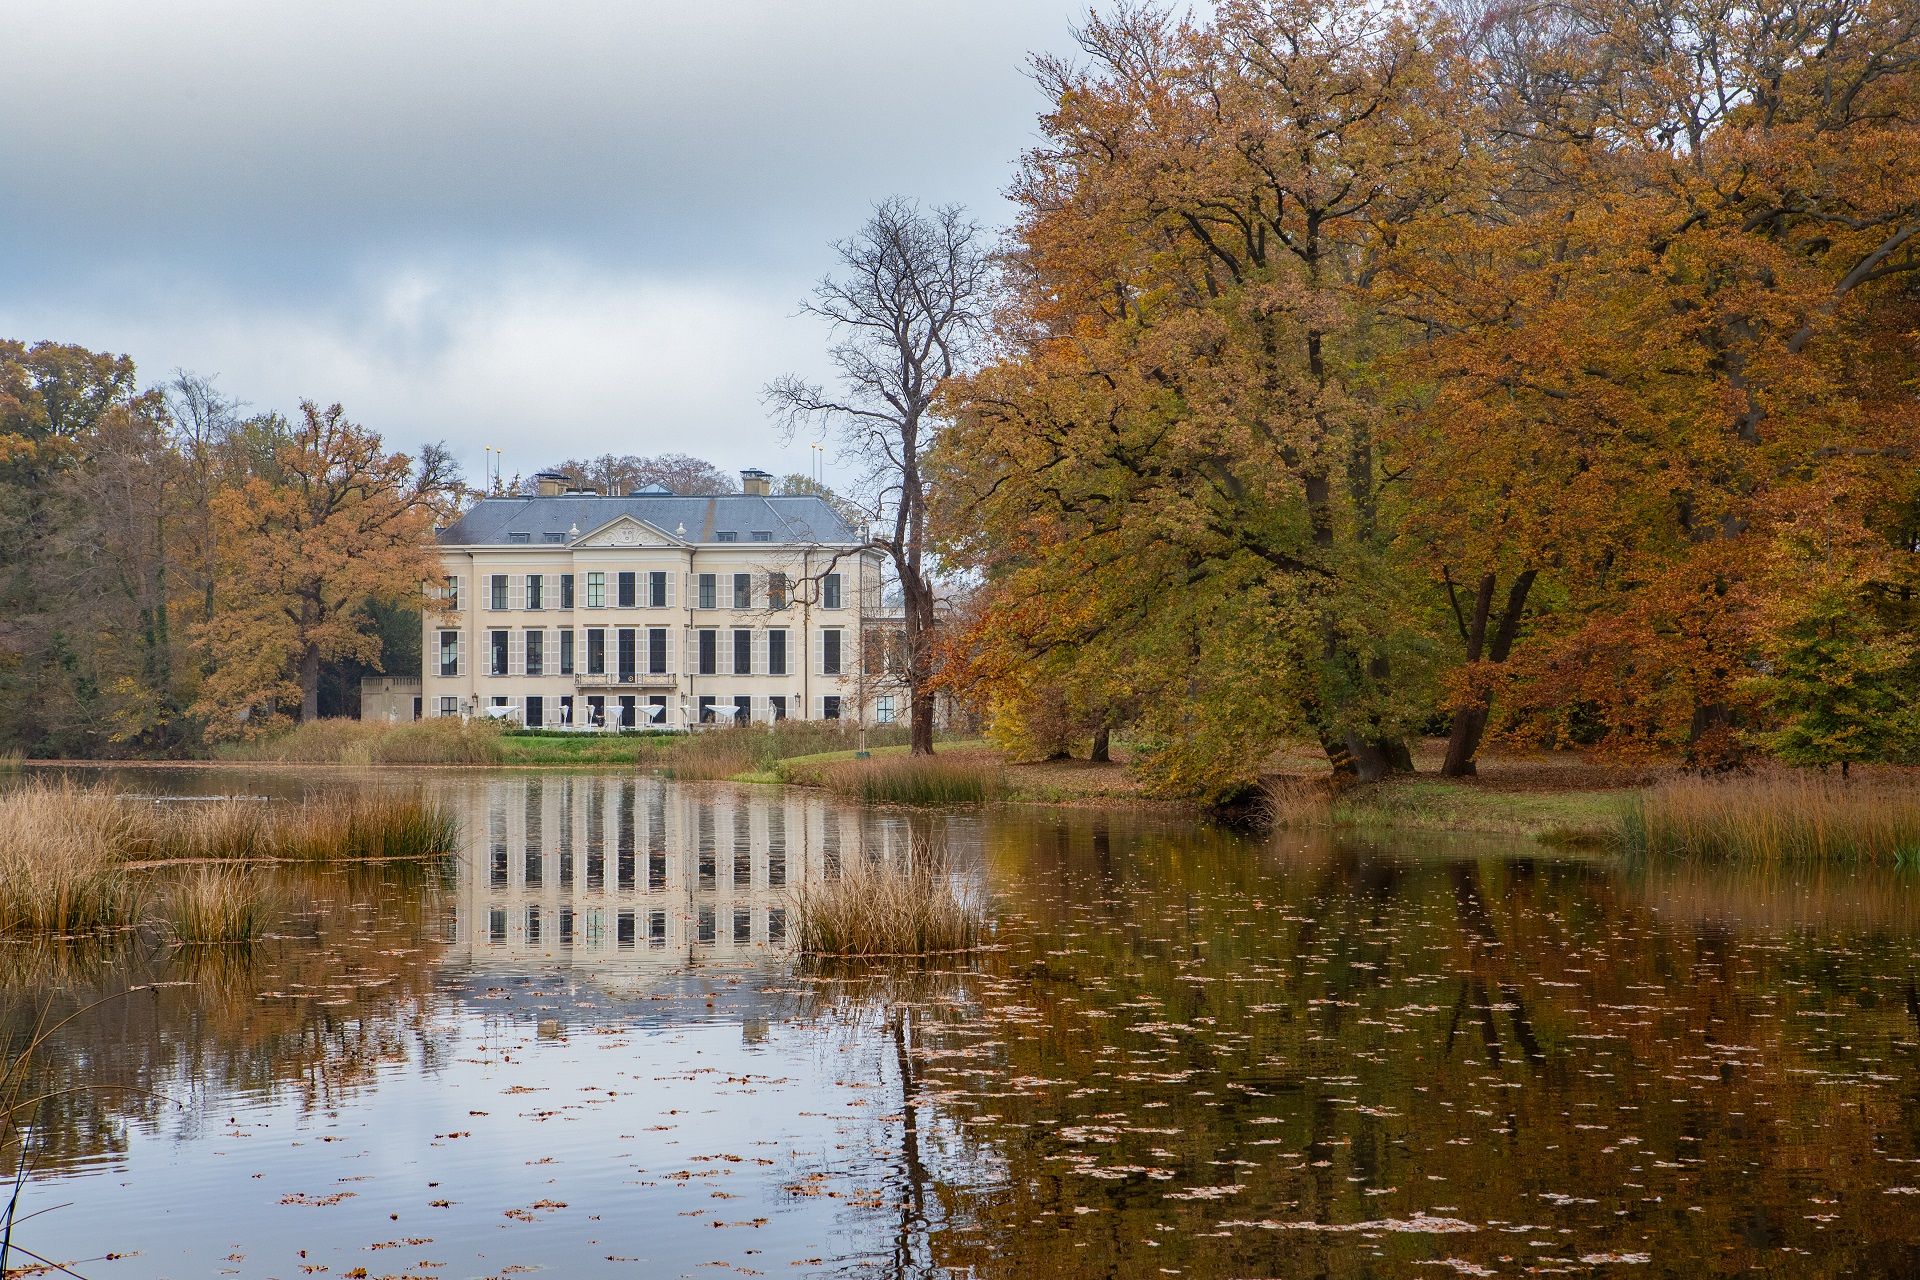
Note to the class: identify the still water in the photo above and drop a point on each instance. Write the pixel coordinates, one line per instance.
(585, 1049)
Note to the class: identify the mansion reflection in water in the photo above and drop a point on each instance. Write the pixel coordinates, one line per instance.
(627, 875)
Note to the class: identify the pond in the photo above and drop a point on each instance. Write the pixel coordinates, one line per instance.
(584, 1048)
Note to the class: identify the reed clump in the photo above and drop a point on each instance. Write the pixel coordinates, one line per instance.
(1778, 816)
(914, 908)
(212, 903)
(912, 780)
(62, 865)
(439, 740)
(320, 828)
(67, 852)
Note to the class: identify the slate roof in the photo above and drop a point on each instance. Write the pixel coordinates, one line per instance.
(495, 521)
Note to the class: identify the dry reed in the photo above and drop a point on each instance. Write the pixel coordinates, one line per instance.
(911, 780)
(212, 903)
(1778, 816)
(65, 849)
(439, 740)
(61, 863)
(887, 909)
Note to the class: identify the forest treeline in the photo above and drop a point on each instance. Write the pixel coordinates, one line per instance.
(173, 570)
(1544, 370)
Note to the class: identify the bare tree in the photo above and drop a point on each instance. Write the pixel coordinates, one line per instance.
(907, 311)
(623, 473)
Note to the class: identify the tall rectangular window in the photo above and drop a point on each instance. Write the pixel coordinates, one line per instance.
(451, 596)
(708, 591)
(497, 591)
(534, 584)
(830, 707)
(743, 591)
(626, 654)
(742, 708)
(830, 653)
(627, 599)
(709, 652)
(566, 591)
(657, 651)
(777, 707)
(706, 717)
(566, 651)
(596, 651)
(536, 653)
(657, 590)
(497, 653)
(776, 590)
(830, 591)
(596, 590)
(742, 652)
(777, 652)
(449, 653)
(450, 706)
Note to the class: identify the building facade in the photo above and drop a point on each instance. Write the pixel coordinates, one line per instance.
(573, 609)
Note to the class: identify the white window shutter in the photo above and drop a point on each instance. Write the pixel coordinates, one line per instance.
(671, 577)
(459, 592)
(460, 654)
(517, 592)
(550, 660)
(672, 636)
(819, 707)
(724, 643)
(760, 651)
(819, 654)
(516, 653)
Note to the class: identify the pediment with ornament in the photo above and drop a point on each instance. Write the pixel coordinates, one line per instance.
(625, 531)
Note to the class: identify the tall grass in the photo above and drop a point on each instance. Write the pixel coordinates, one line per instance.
(212, 903)
(887, 909)
(61, 863)
(439, 740)
(1781, 816)
(912, 780)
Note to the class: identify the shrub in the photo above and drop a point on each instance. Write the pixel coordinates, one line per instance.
(887, 909)
(757, 748)
(1778, 816)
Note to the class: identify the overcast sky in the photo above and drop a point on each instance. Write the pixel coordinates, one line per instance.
(561, 227)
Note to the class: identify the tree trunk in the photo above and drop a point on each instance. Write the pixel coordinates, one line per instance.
(922, 722)
(1102, 752)
(310, 684)
(1470, 723)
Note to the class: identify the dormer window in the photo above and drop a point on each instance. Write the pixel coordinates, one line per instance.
(727, 535)
(519, 537)
(763, 535)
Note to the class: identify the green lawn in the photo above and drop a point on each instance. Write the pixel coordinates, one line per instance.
(582, 749)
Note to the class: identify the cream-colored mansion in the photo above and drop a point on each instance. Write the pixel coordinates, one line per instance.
(579, 610)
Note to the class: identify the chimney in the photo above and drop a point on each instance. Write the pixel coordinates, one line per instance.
(755, 481)
(549, 484)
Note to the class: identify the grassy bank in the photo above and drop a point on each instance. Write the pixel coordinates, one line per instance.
(1563, 817)
(81, 859)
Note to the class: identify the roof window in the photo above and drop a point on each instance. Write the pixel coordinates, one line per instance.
(519, 537)
(763, 535)
(726, 535)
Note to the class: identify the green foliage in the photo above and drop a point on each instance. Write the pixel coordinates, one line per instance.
(1841, 688)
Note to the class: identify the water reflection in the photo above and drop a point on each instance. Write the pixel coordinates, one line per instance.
(588, 1047)
(623, 879)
